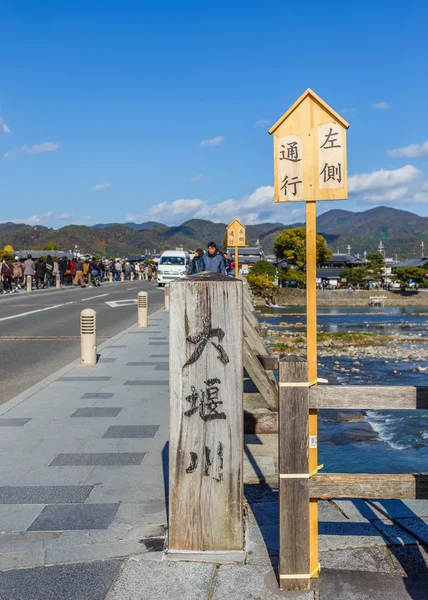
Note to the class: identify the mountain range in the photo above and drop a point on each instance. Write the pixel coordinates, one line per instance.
(401, 232)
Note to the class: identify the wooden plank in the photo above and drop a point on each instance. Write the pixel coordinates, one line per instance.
(206, 406)
(378, 397)
(294, 558)
(260, 377)
(270, 363)
(339, 485)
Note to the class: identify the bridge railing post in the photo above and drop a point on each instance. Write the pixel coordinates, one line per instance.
(206, 415)
(293, 439)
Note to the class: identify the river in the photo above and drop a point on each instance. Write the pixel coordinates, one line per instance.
(369, 441)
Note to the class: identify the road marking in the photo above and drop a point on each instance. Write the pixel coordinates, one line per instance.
(118, 303)
(93, 297)
(32, 312)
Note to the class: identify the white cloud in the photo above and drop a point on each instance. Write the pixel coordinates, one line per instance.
(382, 179)
(212, 142)
(9, 155)
(412, 151)
(196, 178)
(382, 105)
(261, 123)
(403, 186)
(100, 187)
(42, 219)
(41, 148)
(64, 216)
(3, 127)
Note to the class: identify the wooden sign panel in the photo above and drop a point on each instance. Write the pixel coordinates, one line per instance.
(310, 152)
(236, 234)
(206, 407)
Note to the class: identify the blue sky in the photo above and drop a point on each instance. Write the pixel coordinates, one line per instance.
(135, 110)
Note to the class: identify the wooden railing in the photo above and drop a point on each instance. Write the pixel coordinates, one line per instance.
(297, 486)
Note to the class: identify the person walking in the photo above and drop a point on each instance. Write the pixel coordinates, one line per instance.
(149, 272)
(63, 268)
(49, 270)
(214, 261)
(40, 273)
(78, 277)
(197, 264)
(7, 274)
(17, 274)
(29, 269)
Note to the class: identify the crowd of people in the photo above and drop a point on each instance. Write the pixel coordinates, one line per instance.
(71, 272)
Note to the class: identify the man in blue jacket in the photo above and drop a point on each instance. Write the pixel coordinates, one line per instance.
(214, 261)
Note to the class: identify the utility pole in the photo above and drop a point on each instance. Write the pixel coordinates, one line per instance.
(422, 250)
(349, 248)
(365, 255)
(381, 248)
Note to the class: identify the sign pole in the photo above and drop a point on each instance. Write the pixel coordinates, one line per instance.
(309, 165)
(236, 262)
(311, 339)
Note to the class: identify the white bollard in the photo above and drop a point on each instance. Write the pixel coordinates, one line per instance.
(110, 277)
(166, 297)
(142, 309)
(29, 283)
(57, 282)
(88, 338)
(122, 276)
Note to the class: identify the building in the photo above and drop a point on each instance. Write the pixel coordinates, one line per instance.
(412, 262)
(343, 261)
(247, 257)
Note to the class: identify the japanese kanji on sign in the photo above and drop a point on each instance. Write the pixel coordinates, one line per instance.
(236, 238)
(310, 152)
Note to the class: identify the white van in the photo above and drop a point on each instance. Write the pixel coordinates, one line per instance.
(172, 265)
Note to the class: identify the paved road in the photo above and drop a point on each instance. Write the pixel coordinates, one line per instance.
(39, 331)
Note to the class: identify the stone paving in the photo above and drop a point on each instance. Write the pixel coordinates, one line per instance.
(83, 495)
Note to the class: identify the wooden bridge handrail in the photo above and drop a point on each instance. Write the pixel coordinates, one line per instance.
(370, 397)
(362, 485)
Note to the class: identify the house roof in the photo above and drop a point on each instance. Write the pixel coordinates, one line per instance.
(315, 98)
(412, 262)
(328, 273)
(246, 252)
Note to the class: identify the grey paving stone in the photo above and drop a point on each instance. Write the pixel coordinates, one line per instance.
(18, 517)
(54, 476)
(86, 581)
(159, 356)
(89, 552)
(107, 360)
(9, 475)
(80, 516)
(146, 382)
(401, 509)
(89, 378)
(410, 560)
(158, 580)
(32, 557)
(131, 431)
(132, 445)
(417, 527)
(394, 534)
(339, 535)
(360, 585)
(358, 510)
(44, 494)
(142, 364)
(162, 367)
(13, 422)
(101, 458)
(258, 581)
(97, 411)
(24, 539)
(358, 559)
(158, 344)
(116, 346)
(96, 396)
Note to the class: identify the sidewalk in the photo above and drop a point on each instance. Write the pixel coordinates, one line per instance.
(83, 499)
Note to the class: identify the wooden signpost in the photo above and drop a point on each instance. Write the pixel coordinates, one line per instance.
(309, 165)
(206, 408)
(237, 238)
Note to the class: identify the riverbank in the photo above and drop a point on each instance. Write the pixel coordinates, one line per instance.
(327, 298)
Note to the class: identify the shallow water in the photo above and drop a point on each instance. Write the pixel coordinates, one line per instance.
(377, 441)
